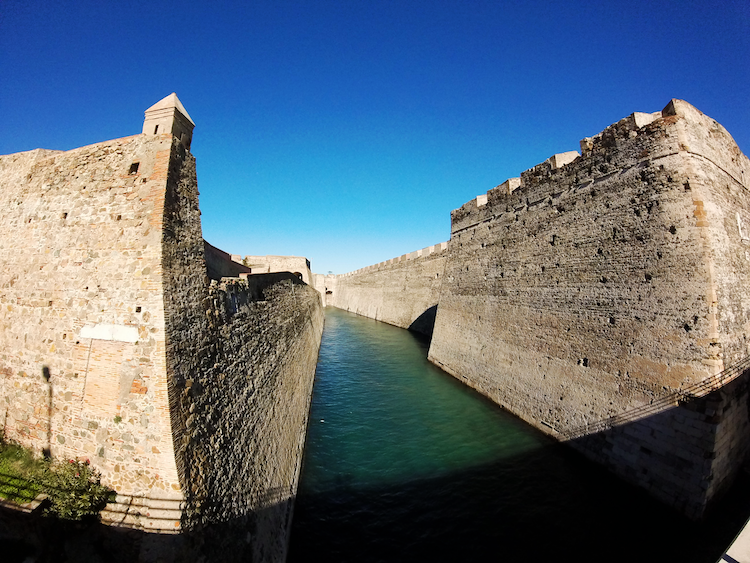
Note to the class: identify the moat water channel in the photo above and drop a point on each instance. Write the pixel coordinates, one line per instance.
(404, 463)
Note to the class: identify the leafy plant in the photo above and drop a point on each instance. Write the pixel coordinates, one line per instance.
(74, 489)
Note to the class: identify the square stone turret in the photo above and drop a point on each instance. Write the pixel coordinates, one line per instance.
(169, 116)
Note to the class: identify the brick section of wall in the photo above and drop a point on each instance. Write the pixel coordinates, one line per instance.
(600, 286)
(402, 291)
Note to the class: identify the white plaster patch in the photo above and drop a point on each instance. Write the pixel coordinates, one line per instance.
(105, 331)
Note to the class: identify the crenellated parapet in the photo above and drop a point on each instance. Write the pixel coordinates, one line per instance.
(402, 291)
(634, 141)
(427, 251)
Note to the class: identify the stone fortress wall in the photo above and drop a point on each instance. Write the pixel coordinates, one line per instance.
(403, 291)
(245, 374)
(190, 397)
(602, 298)
(324, 284)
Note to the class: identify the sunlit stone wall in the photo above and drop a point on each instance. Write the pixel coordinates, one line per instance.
(403, 291)
(82, 334)
(592, 287)
(191, 399)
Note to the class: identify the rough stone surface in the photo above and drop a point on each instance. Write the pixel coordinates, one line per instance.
(244, 394)
(606, 284)
(81, 245)
(190, 398)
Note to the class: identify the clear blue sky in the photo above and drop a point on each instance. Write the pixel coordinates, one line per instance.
(346, 131)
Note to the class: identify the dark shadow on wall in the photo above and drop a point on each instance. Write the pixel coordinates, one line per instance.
(47, 452)
(33, 536)
(546, 504)
(677, 443)
(732, 380)
(425, 323)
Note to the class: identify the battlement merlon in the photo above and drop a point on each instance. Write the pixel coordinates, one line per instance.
(169, 116)
(426, 252)
(679, 127)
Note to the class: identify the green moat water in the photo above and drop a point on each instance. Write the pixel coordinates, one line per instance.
(404, 463)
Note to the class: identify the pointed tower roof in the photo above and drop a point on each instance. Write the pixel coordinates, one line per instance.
(169, 116)
(171, 101)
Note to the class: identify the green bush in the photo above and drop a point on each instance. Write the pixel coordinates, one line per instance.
(73, 488)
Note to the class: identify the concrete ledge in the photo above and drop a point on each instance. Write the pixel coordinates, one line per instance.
(26, 507)
(160, 515)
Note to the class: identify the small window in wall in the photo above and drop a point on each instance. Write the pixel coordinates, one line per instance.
(156, 130)
(134, 167)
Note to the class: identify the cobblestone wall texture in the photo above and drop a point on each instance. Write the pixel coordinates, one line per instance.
(241, 360)
(402, 291)
(246, 394)
(606, 284)
(191, 399)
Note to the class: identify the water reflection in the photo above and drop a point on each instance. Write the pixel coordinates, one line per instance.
(404, 463)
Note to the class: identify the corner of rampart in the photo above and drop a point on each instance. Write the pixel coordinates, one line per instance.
(634, 138)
